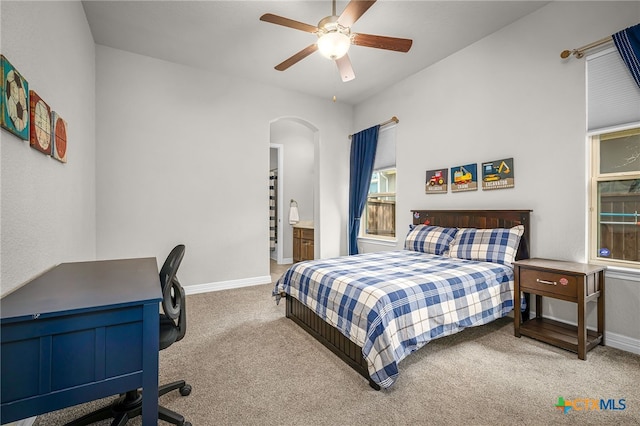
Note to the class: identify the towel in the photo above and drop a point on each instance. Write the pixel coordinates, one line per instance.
(294, 216)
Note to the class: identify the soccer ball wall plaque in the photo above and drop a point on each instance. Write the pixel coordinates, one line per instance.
(14, 105)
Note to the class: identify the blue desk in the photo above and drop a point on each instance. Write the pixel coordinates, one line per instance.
(80, 332)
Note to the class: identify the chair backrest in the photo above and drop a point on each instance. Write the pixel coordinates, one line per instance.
(172, 292)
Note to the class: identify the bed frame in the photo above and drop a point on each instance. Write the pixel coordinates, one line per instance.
(350, 352)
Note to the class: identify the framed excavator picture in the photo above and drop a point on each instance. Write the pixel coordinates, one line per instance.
(498, 174)
(464, 178)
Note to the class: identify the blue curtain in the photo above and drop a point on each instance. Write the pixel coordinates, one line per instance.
(628, 44)
(363, 153)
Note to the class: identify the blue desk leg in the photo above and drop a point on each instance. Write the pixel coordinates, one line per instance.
(150, 354)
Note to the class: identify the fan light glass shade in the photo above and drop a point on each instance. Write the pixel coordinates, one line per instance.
(334, 45)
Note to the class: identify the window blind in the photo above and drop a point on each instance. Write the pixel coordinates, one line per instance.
(386, 150)
(613, 98)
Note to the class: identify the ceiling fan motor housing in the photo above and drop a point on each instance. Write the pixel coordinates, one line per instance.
(333, 39)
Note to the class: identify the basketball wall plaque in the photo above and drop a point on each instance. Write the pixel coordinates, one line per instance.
(59, 137)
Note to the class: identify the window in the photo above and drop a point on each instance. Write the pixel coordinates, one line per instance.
(380, 212)
(613, 121)
(616, 192)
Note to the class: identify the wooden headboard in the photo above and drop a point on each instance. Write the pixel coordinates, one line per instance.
(479, 219)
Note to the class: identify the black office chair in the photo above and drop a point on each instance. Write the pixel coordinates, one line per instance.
(129, 405)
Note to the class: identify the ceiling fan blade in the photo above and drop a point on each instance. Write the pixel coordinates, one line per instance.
(345, 68)
(286, 22)
(297, 57)
(354, 10)
(382, 42)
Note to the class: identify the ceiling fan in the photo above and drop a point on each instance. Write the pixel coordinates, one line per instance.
(335, 36)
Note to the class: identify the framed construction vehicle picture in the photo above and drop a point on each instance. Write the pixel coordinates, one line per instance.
(464, 178)
(436, 182)
(498, 174)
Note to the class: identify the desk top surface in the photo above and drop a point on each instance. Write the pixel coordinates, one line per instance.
(73, 287)
(561, 265)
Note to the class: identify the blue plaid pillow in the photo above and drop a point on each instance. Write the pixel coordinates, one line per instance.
(498, 245)
(430, 239)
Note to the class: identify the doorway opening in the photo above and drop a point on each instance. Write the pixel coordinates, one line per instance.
(276, 204)
(297, 183)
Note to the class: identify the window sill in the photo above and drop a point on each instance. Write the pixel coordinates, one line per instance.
(388, 242)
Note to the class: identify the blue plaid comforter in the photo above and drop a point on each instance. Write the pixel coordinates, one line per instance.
(393, 303)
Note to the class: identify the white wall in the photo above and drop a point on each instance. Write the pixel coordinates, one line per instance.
(183, 156)
(48, 208)
(510, 95)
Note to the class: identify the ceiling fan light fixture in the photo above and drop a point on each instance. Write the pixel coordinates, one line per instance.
(334, 45)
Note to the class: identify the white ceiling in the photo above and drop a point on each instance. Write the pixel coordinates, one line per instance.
(228, 37)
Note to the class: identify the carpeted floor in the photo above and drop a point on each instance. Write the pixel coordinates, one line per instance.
(249, 365)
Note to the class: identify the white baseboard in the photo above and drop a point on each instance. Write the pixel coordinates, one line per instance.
(624, 343)
(226, 285)
(287, 260)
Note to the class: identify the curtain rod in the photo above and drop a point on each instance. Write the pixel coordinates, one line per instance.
(579, 52)
(393, 119)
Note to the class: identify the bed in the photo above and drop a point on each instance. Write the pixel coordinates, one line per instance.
(374, 309)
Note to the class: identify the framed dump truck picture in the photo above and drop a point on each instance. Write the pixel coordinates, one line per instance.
(498, 174)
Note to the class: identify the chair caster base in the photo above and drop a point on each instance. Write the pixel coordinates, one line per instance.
(185, 390)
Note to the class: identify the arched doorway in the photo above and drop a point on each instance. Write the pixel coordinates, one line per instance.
(294, 143)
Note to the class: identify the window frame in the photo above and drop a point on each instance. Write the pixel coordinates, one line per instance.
(594, 207)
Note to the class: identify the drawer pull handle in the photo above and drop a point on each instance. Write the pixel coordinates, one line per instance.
(546, 282)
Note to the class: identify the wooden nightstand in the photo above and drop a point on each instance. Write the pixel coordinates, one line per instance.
(574, 282)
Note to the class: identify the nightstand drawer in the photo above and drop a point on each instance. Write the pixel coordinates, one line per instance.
(553, 283)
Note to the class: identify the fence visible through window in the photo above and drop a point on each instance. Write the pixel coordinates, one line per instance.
(381, 214)
(619, 225)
